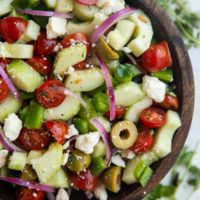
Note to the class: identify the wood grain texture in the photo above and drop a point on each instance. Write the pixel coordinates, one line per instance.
(164, 29)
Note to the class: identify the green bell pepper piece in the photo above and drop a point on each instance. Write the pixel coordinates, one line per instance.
(101, 102)
(23, 113)
(135, 71)
(145, 176)
(81, 125)
(27, 96)
(165, 75)
(98, 165)
(34, 117)
(139, 169)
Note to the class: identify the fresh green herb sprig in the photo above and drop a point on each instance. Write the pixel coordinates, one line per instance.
(187, 21)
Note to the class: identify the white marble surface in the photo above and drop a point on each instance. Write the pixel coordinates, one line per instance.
(194, 134)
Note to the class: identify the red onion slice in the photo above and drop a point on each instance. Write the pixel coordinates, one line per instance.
(45, 13)
(28, 184)
(110, 22)
(7, 144)
(9, 83)
(95, 122)
(110, 88)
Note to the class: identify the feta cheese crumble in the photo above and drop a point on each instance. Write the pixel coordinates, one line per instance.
(154, 88)
(87, 142)
(117, 160)
(72, 131)
(56, 27)
(110, 6)
(3, 156)
(101, 193)
(12, 126)
(62, 195)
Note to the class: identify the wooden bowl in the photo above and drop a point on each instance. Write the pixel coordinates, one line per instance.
(164, 29)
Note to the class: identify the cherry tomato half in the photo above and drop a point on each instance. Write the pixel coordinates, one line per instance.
(59, 130)
(153, 117)
(84, 180)
(30, 194)
(87, 2)
(120, 111)
(49, 94)
(3, 89)
(144, 141)
(41, 64)
(81, 66)
(76, 37)
(4, 62)
(169, 103)
(12, 28)
(44, 46)
(157, 57)
(34, 139)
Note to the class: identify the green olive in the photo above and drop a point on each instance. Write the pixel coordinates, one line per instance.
(28, 173)
(78, 161)
(124, 134)
(112, 178)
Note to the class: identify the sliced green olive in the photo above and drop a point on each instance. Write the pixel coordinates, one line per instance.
(105, 51)
(124, 134)
(78, 161)
(112, 178)
(28, 173)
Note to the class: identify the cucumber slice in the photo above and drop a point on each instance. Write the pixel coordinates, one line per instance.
(24, 76)
(21, 51)
(164, 135)
(64, 5)
(8, 106)
(86, 27)
(143, 33)
(17, 161)
(133, 113)
(59, 180)
(5, 7)
(128, 176)
(49, 163)
(33, 154)
(69, 57)
(129, 93)
(32, 32)
(65, 111)
(80, 80)
(50, 3)
(83, 12)
(99, 150)
(118, 38)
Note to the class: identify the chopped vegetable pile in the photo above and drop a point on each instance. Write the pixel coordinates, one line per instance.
(87, 98)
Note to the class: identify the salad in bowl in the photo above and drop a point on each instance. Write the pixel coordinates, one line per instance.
(87, 97)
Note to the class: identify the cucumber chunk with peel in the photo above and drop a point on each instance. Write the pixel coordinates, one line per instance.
(20, 51)
(5, 7)
(17, 161)
(33, 154)
(64, 5)
(24, 76)
(164, 135)
(49, 163)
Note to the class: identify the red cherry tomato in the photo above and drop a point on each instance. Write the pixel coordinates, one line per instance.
(157, 57)
(41, 64)
(59, 129)
(169, 103)
(49, 94)
(84, 180)
(144, 140)
(30, 194)
(12, 28)
(80, 66)
(153, 117)
(74, 38)
(3, 89)
(4, 62)
(87, 2)
(120, 110)
(44, 46)
(34, 139)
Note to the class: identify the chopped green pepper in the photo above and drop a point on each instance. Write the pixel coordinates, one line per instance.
(27, 96)
(139, 169)
(23, 113)
(98, 165)
(135, 71)
(81, 125)
(34, 117)
(145, 176)
(24, 3)
(165, 75)
(101, 102)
